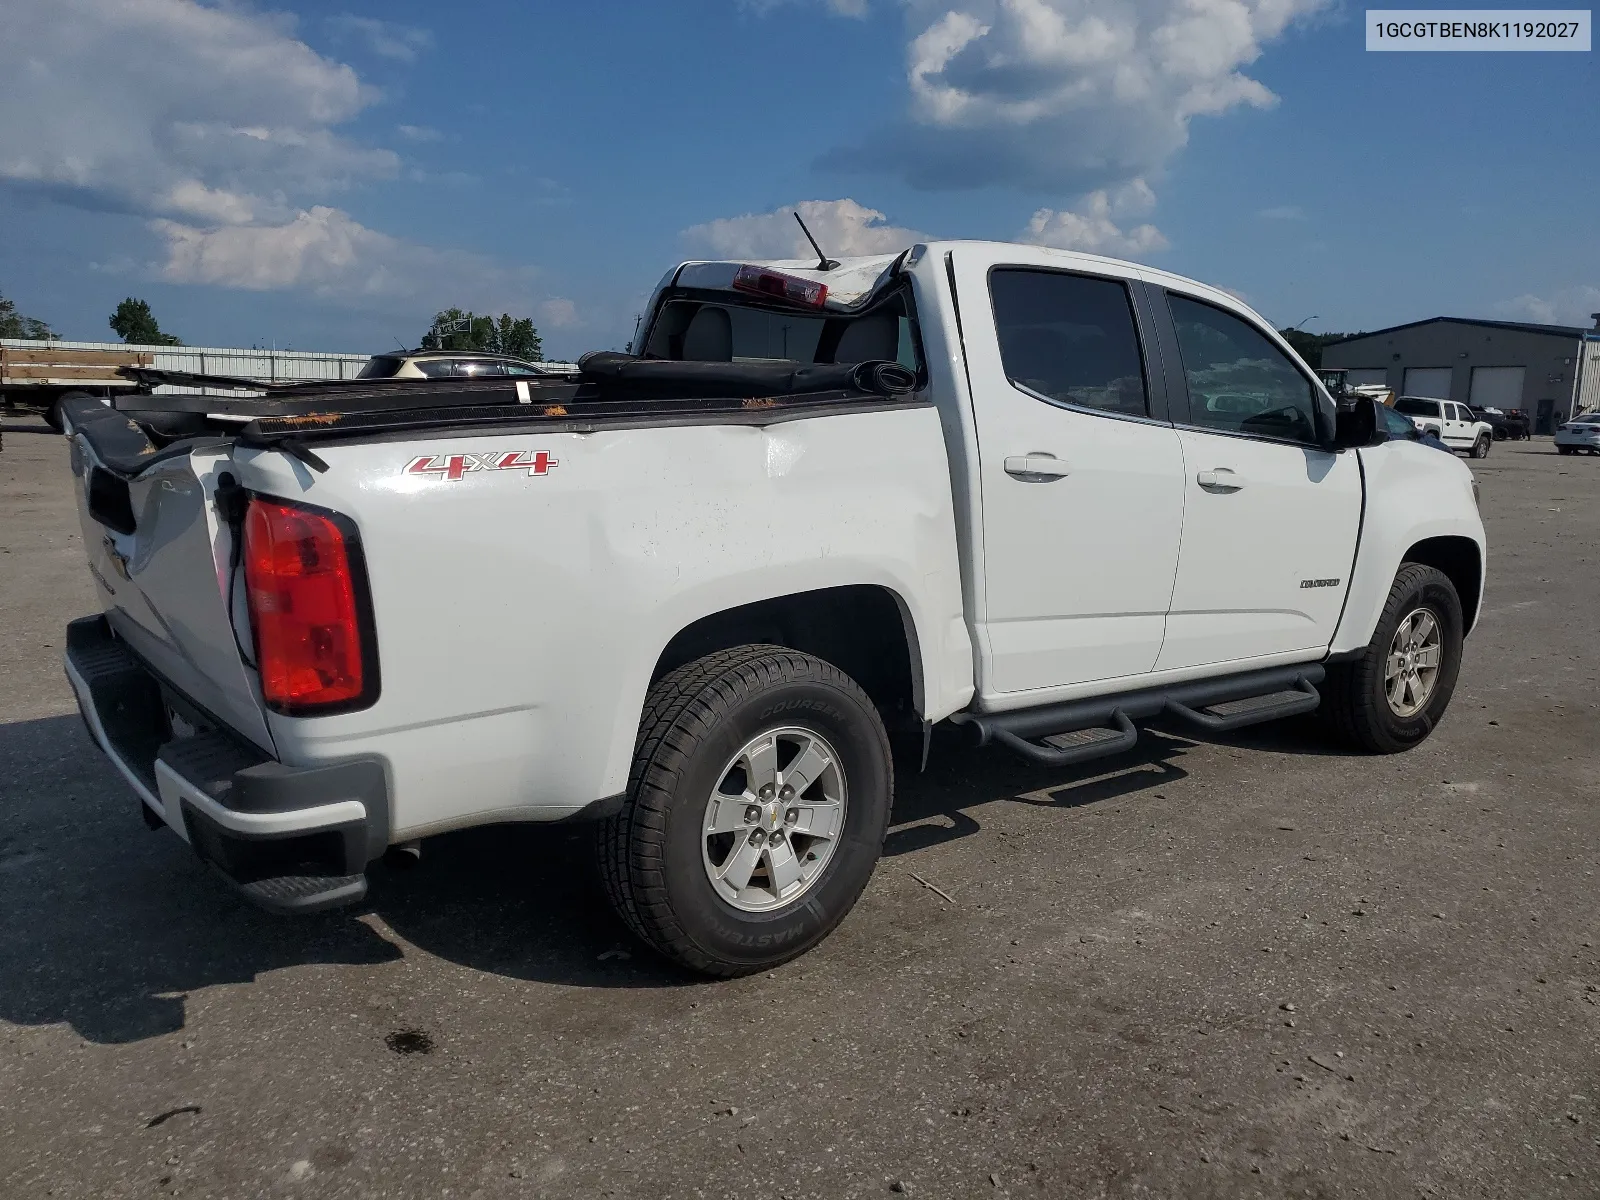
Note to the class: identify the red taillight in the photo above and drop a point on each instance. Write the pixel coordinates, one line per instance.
(780, 286)
(302, 588)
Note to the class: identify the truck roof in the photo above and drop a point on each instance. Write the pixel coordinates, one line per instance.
(856, 278)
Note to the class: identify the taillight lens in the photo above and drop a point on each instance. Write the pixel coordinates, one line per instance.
(302, 578)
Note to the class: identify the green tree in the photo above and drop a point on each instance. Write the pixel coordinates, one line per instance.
(456, 329)
(14, 325)
(1309, 345)
(136, 324)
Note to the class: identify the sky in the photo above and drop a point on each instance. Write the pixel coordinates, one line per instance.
(326, 177)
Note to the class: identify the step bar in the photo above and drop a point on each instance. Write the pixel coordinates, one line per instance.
(1215, 705)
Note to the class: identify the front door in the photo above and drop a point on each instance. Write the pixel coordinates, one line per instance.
(1080, 473)
(1270, 519)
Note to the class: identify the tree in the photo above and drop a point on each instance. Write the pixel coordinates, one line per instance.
(14, 325)
(1309, 345)
(134, 321)
(454, 329)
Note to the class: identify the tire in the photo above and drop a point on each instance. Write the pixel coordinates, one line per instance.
(656, 856)
(1563, 449)
(1355, 700)
(53, 418)
(1480, 448)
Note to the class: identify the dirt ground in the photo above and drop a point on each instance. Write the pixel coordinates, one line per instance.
(1253, 966)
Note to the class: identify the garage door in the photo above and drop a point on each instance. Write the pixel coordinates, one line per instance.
(1427, 381)
(1497, 387)
(1361, 375)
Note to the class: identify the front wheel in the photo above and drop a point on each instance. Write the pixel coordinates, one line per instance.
(1390, 698)
(1480, 448)
(756, 810)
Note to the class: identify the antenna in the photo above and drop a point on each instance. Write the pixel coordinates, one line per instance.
(824, 263)
(399, 343)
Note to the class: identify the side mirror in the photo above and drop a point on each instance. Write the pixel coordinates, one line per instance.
(1357, 424)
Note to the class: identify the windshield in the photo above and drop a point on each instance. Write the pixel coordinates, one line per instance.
(380, 366)
(1417, 408)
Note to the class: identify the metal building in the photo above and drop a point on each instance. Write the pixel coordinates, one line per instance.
(1550, 372)
(275, 366)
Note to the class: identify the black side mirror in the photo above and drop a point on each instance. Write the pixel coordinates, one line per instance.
(1357, 423)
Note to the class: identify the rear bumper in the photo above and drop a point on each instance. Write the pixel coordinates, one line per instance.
(293, 839)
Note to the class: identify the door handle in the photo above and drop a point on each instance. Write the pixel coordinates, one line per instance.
(1220, 479)
(1036, 468)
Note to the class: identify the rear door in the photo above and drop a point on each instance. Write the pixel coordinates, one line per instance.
(1270, 519)
(1080, 472)
(162, 560)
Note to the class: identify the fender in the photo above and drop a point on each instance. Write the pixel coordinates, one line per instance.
(1411, 493)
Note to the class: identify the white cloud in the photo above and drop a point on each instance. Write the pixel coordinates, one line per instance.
(1092, 226)
(558, 312)
(842, 228)
(419, 133)
(325, 251)
(221, 129)
(1564, 306)
(1068, 95)
(1283, 212)
(384, 38)
(170, 108)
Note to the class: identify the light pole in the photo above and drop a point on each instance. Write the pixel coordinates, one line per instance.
(1297, 325)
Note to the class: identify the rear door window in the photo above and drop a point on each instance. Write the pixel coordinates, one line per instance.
(1070, 338)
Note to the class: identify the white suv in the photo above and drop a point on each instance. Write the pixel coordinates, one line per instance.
(1452, 423)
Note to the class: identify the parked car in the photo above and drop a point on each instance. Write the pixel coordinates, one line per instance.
(1512, 425)
(1452, 423)
(1041, 496)
(455, 364)
(1582, 433)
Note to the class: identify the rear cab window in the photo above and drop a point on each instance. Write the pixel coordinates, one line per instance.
(729, 329)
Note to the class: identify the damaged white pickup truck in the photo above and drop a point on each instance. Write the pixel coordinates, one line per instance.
(1046, 496)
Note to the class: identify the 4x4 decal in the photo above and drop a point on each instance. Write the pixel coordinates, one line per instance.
(455, 466)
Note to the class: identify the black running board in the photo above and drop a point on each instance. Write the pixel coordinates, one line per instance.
(1053, 735)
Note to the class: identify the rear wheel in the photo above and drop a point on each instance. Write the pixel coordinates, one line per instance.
(1480, 448)
(1390, 698)
(1563, 449)
(756, 810)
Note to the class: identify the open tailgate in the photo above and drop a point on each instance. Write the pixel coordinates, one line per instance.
(162, 559)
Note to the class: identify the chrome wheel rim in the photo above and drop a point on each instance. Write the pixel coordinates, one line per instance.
(1412, 668)
(773, 819)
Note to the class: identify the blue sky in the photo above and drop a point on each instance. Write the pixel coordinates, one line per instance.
(328, 176)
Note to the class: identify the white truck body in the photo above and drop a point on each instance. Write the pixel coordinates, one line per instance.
(1033, 552)
(1452, 423)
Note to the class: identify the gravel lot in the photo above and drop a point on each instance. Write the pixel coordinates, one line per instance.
(1243, 967)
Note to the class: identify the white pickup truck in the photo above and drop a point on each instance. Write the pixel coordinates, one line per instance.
(1045, 496)
(1452, 423)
